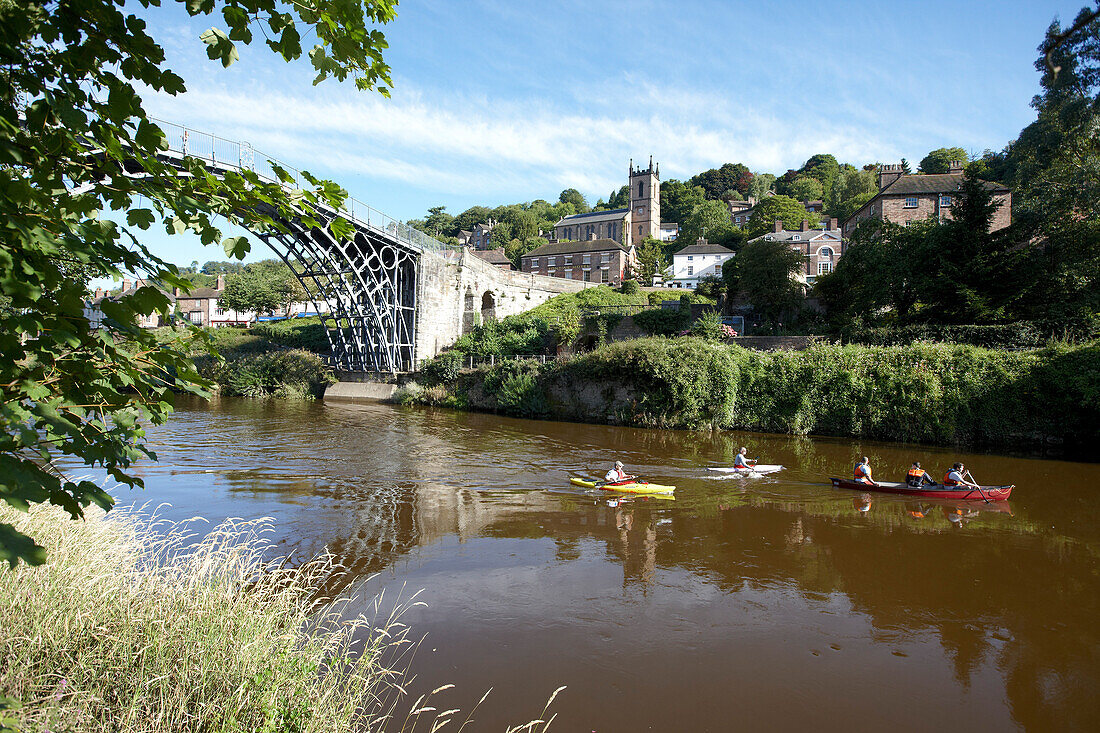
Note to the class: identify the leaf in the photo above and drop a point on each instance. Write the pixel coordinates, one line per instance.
(236, 247)
(219, 46)
(140, 218)
(16, 546)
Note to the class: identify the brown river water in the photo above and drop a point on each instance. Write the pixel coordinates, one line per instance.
(773, 603)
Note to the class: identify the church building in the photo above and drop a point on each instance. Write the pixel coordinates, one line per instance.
(626, 226)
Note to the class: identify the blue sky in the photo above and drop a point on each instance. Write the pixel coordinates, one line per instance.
(500, 101)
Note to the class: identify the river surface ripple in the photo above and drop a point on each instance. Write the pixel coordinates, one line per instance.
(744, 604)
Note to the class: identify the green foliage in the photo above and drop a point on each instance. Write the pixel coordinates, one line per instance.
(717, 181)
(294, 373)
(71, 80)
(710, 286)
(652, 258)
(662, 321)
(679, 199)
(262, 287)
(778, 208)
(940, 160)
(761, 184)
(295, 333)
(713, 217)
(1018, 335)
(708, 326)
(629, 287)
(765, 274)
(516, 387)
(806, 188)
(575, 198)
(443, 368)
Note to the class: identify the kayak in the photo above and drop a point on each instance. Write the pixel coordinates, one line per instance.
(760, 469)
(627, 487)
(932, 491)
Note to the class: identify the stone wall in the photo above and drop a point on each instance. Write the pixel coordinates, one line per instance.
(458, 290)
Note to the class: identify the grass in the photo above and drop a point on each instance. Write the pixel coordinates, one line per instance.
(130, 627)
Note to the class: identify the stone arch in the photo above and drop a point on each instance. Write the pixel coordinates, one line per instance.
(488, 307)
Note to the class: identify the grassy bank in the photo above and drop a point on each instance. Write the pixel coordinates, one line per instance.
(122, 630)
(930, 393)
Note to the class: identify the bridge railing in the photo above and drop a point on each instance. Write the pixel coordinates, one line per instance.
(234, 154)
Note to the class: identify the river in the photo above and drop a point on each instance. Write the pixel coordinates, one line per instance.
(772, 603)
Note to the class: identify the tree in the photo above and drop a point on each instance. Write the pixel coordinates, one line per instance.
(502, 234)
(79, 175)
(762, 184)
(221, 268)
(940, 160)
(263, 287)
(717, 181)
(766, 271)
(469, 219)
(516, 249)
(823, 168)
(853, 189)
(652, 259)
(524, 225)
(806, 188)
(710, 219)
(678, 199)
(575, 197)
(779, 208)
(620, 199)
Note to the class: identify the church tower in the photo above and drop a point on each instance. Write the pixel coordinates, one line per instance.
(645, 203)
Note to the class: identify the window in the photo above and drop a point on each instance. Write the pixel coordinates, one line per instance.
(639, 230)
(690, 258)
(639, 189)
(691, 270)
(605, 275)
(551, 272)
(534, 262)
(568, 260)
(551, 261)
(195, 317)
(797, 237)
(605, 257)
(589, 231)
(825, 252)
(911, 202)
(945, 201)
(219, 310)
(824, 268)
(871, 210)
(568, 274)
(586, 259)
(587, 276)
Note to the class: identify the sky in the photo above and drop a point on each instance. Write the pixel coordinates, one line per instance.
(503, 101)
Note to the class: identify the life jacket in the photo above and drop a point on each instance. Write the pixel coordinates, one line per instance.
(859, 475)
(948, 481)
(620, 474)
(916, 473)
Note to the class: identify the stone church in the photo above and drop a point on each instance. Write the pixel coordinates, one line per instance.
(626, 226)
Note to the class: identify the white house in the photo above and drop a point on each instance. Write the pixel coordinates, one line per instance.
(694, 262)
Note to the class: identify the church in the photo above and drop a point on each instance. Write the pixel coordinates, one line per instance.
(626, 226)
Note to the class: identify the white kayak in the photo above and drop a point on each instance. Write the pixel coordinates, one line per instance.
(760, 469)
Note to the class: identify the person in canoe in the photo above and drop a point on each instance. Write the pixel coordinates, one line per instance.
(863, 471)
(740, 461)
(617, 474)
(917, 476)
(956, 477)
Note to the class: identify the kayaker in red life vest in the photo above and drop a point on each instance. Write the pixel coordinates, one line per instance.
(617, 474)
(954, 477)
(917, 476)
(739, 461)
(863, 471)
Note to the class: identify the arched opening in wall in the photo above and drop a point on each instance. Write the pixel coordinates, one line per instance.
(488, 307)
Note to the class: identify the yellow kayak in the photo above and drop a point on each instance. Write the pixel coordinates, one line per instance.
(632, 487)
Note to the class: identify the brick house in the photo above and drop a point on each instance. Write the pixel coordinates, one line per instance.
(821, 248)
(93, 310)
(596, 260)
(201, 307)
(495, 257)
(904, 197)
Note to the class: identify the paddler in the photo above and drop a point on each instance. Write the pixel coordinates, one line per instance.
(863, 471)
(917, 476)
(740, 461)
(955, 477)
(617, 474)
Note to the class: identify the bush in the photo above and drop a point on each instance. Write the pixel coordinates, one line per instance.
(662, 321)
(443, 368)
(297, 333)
(629, 287)
(709, 326)
(292, 373)
(655, 298)
(1020, 335)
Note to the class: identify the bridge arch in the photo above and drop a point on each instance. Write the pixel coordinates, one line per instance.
(488, 307)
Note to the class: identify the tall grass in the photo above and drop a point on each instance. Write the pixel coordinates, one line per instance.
(130, 627)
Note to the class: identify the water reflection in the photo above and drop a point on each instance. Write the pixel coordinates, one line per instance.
(763, 600)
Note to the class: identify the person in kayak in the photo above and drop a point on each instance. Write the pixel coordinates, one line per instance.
(617, 474)
(955, 477)
(740, 461)
(917, 476)
(863, 471)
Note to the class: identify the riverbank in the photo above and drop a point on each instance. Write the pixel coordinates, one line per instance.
(125, 628)
(922, 393)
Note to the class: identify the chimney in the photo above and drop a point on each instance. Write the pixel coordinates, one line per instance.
(125, 284)
(956, 166)
(805, 225)
(221, 283)
(592, 237)
(887, 174)
(833, 224)
(778, 226)
(98, 293)
(177, 292)
(701, 240)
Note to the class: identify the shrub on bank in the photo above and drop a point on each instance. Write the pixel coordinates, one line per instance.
(296, 333)
(294, 373)
(1020, 335)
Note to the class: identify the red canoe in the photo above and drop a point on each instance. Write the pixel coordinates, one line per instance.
(933, 491)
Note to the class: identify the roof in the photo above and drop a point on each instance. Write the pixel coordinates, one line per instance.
(493, 256)
(593, 217)
(568, 248)
(807, 236)
(706, 248)
(200, 294)
(932, 183)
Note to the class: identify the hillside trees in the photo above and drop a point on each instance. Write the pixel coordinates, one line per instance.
(70, 86)
(765, 273)
(729, 177)
(678, 199)
(262, 287)
(779, 208)
(940, 160)
(574, 197)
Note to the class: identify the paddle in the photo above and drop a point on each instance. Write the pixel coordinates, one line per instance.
(971, 476)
